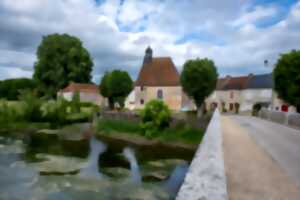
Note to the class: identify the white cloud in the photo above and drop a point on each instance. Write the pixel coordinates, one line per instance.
(100, 27)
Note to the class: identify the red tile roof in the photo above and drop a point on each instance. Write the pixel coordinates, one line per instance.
(81, 87)
(158, 72)
(235, 83)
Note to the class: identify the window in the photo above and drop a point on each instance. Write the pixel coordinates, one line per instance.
(142, 88)
(231, 95)
(159, 94)
(142, 101)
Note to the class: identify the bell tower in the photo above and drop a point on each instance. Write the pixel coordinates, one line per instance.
(148, 54)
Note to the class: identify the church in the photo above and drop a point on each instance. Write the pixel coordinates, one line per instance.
(159, 79)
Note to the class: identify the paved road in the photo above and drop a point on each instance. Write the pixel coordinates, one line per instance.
(251, 171)
(281, 142)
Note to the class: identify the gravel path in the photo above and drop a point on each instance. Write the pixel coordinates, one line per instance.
(251, 172)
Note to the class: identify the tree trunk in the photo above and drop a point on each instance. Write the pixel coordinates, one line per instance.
(199, 111)
(111, 103)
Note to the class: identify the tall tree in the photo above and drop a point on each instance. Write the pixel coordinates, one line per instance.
(116, 86)
(199, 79)
(10, 88)
(287, 77)
(61, 59)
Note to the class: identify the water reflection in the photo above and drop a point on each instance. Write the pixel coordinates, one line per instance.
(92, 170)
(33, 168)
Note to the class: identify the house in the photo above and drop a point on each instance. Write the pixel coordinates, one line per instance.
(159, 79)
(87, 93)
(241, 93)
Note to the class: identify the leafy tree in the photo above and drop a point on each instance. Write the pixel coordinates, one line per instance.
(61, 59)
(287, 77)
(31, 106)
(116, 86)
(155, 116)
(199, 79)
(10, 88)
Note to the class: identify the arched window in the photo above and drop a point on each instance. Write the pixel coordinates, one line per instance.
(159, 94)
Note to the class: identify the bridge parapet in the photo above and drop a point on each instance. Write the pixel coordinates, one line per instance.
(206, 178)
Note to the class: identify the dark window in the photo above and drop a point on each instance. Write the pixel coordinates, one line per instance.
(142, 101)
(231, 106)
(142, 88)
(231, 95)
(160, 94)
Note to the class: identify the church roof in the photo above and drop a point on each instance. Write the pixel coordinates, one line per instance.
(159, 71)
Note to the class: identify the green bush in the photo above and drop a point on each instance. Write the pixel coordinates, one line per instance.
(8, 113)
(75, 103)
(31, 106)
(55, 112)
(155, 117)
(122, 126)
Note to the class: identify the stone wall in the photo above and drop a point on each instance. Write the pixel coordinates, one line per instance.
(206, 178)
(291, 119)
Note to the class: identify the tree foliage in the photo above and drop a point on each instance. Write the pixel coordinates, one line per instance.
(61, 59)
(116, 86)
(10, 88)
(199, 79)
(287, 77)
(155, 116)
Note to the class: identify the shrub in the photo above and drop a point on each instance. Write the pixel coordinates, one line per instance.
(8, 113)
(155, 116)
(75, 103)
(31, 106)
(55, 112)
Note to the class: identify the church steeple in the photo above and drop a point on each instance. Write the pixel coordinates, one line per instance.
(148, 54)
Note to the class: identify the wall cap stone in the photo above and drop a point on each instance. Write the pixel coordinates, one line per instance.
(206, 178)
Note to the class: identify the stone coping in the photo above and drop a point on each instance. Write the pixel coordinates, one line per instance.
(206, 178)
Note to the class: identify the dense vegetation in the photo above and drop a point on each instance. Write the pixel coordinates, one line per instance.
(116, 86)
(287, 78)
(199, 79)
(31, 109)
(61, 59)
(181, 133)
(10, 88)
(155, 117)
(155, 124)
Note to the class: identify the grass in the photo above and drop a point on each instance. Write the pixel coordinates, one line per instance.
(181, 133)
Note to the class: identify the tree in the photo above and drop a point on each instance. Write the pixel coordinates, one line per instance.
(10, 88)
(287, 77)
(116, 86)
(199, 79)
(61, 59)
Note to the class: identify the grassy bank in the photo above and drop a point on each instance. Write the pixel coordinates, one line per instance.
(181, 133)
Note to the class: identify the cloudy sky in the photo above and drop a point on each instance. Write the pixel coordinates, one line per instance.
(237, 34)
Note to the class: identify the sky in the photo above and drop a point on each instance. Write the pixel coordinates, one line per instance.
(238, 35)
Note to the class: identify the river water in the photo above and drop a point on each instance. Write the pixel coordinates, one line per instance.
(48, 166)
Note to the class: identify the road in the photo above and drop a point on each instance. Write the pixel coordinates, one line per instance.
(262, 159)
(281, 142)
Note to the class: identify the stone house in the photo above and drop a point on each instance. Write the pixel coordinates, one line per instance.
(87, 92)
(159, 79)
(241, 93)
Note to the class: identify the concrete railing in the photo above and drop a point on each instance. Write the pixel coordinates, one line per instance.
(206, 178)
(291, 119)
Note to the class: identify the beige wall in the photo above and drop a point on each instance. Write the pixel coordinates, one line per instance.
(84, 97)
(172, 96)
(277, 103)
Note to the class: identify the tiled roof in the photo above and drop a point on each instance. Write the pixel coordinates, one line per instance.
(261, 81)
(81, 87)
(245, 82)
(236, 83)
(158, 72)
